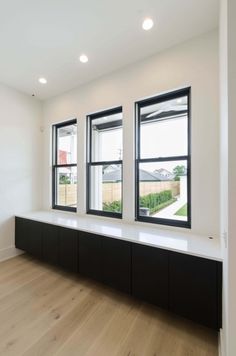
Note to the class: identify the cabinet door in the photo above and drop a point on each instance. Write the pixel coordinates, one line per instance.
(21, 233)
(116, 264)
(34, 236)
(68, 249)
(194, 288)
(28, 236)
(150, 274)
(90, 256)
(50, 244)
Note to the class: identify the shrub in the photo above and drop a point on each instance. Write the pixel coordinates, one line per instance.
(64, 179)
(154, 201)
(114, 206)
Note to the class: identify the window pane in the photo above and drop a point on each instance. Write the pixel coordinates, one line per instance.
(106, 188)
(163, 190)
(66, 186)
(164, 129)
(107, 138)
(67, 144)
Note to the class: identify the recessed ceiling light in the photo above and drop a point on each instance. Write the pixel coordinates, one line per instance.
(42, 80)
(83, 58)
(147, 24)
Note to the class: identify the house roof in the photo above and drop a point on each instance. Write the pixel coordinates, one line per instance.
(145, 176)
(164, 174)
(112, 176)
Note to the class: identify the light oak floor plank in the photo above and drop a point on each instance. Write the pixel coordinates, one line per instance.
(45, 311)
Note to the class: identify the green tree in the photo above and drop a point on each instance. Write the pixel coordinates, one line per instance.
(179, 171)
(64, 179)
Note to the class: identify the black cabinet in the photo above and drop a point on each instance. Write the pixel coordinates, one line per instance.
(29, 236)
(150, 274)
(21, 233)
(106, 260)
(68, 249)
(116, 264)
(187, 285)
(55, 245)
(194, 288)
(50, 234)
(34, 243)
(90, 255)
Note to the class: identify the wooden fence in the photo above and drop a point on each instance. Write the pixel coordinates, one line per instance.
(67, 194)
(112, 191)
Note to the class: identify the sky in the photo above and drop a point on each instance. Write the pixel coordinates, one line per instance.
(164, 138)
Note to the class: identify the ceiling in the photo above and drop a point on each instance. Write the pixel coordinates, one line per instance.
(44, 38)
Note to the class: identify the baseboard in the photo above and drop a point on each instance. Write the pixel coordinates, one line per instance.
(9, 252)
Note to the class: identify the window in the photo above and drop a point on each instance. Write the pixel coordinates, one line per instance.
(104, 167)
(64, 171)
(163, 159)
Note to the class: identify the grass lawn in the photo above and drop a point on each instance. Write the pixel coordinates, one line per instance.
(182, 211)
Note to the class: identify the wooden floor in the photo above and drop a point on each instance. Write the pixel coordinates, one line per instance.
(44, 311)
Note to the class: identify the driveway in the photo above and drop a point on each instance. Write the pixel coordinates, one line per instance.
(169, 211)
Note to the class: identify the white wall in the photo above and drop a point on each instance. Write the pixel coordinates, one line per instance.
(20, 161)
(195, 64)
(228, 175)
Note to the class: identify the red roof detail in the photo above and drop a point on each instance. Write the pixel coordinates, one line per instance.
(62, 157)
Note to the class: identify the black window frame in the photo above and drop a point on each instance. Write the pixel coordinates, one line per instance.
(91, 163)
(55, 165)
(150, 101)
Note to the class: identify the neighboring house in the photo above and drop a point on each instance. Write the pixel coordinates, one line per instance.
(162, 174)
(63, 157)
(110, 168)
(113, 174)
(146, 176)
(64, 171)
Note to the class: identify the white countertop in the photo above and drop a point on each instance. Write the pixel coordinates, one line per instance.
(183, 242)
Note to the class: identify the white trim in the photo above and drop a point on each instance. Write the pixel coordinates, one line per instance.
(9, 252)
(221, 343)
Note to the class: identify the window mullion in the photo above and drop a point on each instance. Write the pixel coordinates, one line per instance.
(102, 163)
(163, 159)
